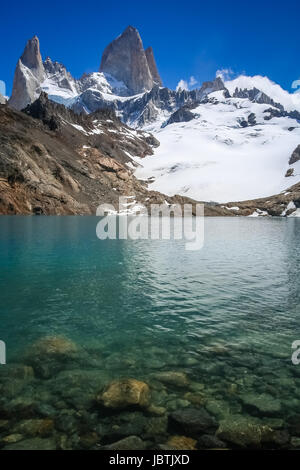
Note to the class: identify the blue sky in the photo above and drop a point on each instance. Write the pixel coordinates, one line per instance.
(191, 38)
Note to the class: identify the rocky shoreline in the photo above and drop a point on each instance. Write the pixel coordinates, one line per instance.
(63, 397)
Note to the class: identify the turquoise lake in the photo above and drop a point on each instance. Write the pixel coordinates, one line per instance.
(225, 317)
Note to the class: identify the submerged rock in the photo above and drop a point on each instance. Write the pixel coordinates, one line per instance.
(54, 346)
(89, 440)
(241, 432)
(295, 442)
(21, 407)
(275, 438)
(35, 443)
(17, 371)
(4, 425)
(193, 421)
(49, 355)
(35, 427)
(196, 399)
(125, 393)
(208, 441)
(177, 379)
(156, 410)
(122, 425)
(67, 422)
(263, 404)
(12, 438)
(129, 443)
(181, 443)
(156, 427)
(219, 408)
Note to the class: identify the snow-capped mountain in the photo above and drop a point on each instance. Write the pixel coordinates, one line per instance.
(224, 141)
(225, 149)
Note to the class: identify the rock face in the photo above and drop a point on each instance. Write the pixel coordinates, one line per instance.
(256, 96)
(58, 75)
(181, 115)
(152, 66)
(53, 161)
(125, 59)
(2, 99)
(29, 75)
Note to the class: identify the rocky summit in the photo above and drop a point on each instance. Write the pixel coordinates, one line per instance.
(126, 60)
(26, 85)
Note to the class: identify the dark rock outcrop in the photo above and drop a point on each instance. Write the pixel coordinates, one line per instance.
(181, 115)
(251, 121)
(295, 156)
(125, 59)
(277, 113)
(277, 205)
(256, 96)
(289, 172)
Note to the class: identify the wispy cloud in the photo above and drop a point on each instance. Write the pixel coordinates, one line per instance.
(193, 81)
(225, 74)
(186, 84)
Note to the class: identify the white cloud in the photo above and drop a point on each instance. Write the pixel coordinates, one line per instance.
(193, 81)
(225, 74)
(186, 84)
(182, 85)
(295, 85)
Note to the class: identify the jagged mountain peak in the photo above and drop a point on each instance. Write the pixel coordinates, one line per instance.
(29, 74)
(131, 29)
(125, 59)
(31, 56)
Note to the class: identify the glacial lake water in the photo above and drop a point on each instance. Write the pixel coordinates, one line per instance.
(224, 317)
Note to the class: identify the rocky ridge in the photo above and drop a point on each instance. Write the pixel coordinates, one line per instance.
(56, 162)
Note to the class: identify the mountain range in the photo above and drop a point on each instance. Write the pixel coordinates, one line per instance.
(228, 140)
